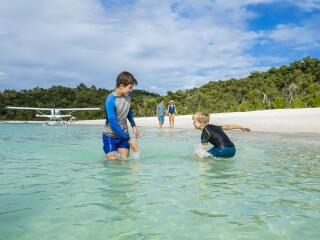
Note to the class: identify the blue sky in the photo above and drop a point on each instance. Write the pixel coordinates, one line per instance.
(168, 44)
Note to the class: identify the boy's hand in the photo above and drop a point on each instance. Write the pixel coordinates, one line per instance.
(134, 145)
(136, 132)
(244, 129)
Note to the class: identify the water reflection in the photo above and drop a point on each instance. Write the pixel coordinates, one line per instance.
(120, 180)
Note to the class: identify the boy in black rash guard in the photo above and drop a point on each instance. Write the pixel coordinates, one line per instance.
(222, 145)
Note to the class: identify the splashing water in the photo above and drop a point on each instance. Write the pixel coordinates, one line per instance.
(201, 153)
(136, 155)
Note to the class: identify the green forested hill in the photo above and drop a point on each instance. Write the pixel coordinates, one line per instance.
(294, 86)
(61, 97)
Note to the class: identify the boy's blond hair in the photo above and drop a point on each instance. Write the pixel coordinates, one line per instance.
(201, 117)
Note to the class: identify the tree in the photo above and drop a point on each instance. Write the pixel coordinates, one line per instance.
(296, 85)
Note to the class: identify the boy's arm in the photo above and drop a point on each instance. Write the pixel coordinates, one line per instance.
(130, 118)
(133, 124)
(204, 139)
(113, 121)
(134, 145)
(232, 126)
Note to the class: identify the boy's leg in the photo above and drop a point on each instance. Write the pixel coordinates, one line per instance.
(110, 147)
(227, 152)
(124, 152)
(124, 148)
(111, 156)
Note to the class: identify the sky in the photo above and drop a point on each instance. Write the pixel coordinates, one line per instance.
(168, 45)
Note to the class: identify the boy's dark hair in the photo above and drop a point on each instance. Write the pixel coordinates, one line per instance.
(161, 99)
(126, 78)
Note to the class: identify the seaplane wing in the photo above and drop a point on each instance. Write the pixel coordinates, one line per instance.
(31, 108)
(53, 116)
(77, 109)
(49, 109)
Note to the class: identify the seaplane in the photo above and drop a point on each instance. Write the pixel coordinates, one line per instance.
(56, 117)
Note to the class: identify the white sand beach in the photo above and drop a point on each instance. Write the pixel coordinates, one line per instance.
(303, 120)
(279, 120)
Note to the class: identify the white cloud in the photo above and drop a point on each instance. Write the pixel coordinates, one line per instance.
(162, 42)
(304, 36)
(307, 5)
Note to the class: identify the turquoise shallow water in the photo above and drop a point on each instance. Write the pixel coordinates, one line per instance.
(55, 184)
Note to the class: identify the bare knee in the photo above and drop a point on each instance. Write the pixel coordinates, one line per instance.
(111, 156)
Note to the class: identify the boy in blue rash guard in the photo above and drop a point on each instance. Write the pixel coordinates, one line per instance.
(116, 139)
(222, 145)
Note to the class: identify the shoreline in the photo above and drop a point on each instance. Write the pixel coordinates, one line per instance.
(301, 120)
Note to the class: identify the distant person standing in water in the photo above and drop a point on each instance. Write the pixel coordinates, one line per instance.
(171, 111)
(161, 110)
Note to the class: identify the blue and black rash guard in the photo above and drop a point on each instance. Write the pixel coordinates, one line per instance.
(216, 136)
(117, 112)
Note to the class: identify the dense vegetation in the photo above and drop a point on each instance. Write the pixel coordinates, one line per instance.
(294, 86)
(62, 97)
